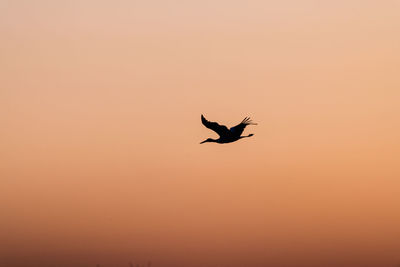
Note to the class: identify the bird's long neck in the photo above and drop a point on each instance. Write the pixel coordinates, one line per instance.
(246, 136)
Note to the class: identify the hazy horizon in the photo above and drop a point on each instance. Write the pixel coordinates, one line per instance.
(100, 106)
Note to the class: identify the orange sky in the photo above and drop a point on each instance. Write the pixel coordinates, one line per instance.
(100, 105)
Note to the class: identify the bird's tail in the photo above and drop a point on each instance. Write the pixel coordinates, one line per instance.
(248, 121)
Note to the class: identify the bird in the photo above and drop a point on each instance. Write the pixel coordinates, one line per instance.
(226, 135)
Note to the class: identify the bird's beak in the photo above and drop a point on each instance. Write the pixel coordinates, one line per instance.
(203, 142)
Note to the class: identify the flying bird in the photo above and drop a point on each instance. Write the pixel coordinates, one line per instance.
(226, 135)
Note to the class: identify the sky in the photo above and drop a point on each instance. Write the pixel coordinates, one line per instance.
(100, 161)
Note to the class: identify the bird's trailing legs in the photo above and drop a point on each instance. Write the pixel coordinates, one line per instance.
(250, 135)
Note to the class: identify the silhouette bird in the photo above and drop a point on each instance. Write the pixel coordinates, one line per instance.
(226, 135)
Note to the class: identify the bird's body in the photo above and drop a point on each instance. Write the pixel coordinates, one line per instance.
(226, 135)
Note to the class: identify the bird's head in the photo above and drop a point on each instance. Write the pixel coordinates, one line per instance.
(208, 140)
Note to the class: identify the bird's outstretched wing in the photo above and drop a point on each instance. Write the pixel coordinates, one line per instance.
(238, 129)
(221, 130)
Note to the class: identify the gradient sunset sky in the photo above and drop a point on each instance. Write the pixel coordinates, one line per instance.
(100, 161)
